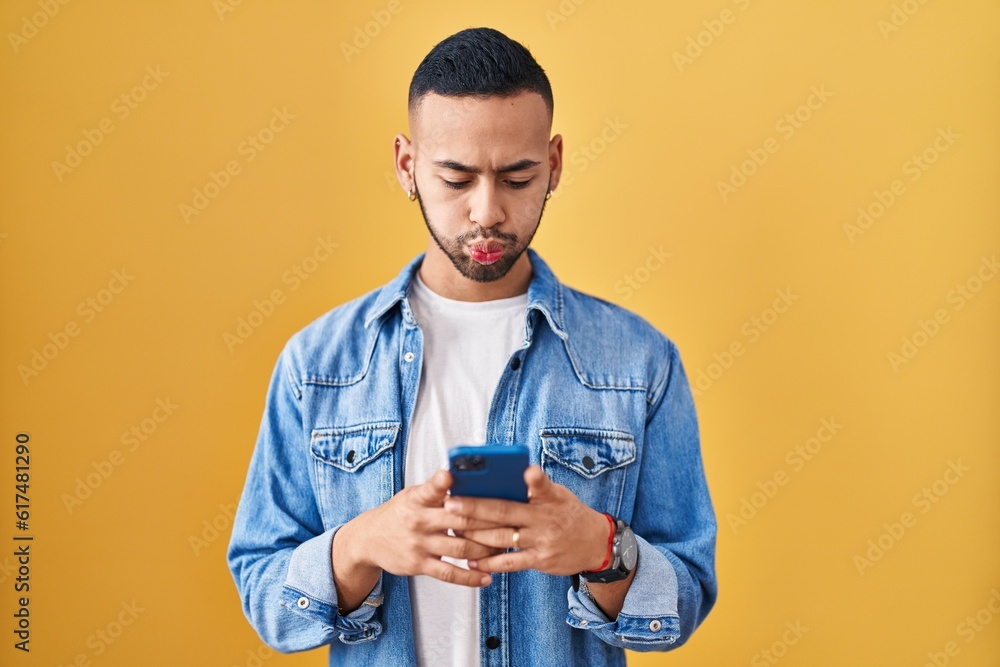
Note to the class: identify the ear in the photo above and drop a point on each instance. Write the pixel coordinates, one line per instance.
(555, 160)
(403, 161)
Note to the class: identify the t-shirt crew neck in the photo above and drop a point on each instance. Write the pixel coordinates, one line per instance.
(428, 297)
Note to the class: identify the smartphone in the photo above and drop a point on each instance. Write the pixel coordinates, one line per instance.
(489, 471)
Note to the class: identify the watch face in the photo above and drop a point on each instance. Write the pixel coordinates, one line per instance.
(629, 550)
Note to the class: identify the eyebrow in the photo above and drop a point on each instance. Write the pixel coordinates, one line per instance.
(520, 165)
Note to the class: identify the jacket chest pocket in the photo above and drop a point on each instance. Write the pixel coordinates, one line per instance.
(592, 463)
(353, 467)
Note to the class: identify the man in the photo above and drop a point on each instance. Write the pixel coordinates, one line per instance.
(346, 534)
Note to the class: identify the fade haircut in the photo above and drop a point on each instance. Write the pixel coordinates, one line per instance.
(480, 62)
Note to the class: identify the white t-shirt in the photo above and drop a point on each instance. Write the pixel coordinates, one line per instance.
(466, 345)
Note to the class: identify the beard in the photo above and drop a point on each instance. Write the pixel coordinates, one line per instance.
(454, 249)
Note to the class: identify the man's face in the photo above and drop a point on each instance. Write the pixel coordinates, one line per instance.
(481, 169)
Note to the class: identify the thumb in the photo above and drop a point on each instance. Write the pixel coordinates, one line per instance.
(538, 482)
(434, 490)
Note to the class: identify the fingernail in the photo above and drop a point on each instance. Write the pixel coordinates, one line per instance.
(486, 580)
(453, 505)
(473, 564)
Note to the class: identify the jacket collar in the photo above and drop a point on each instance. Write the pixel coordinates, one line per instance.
(544, 293)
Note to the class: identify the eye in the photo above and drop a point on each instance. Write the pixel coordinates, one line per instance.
(517, 185)
(455, 185)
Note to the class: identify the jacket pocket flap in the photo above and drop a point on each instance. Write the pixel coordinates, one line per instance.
(589, 452)
(351, 447)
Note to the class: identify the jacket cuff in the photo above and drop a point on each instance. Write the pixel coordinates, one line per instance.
(309, 590)
(648, 620)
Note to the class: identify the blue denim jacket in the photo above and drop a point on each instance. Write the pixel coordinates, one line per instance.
(601, 400)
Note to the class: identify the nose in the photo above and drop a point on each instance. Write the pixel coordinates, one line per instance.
(485, 207)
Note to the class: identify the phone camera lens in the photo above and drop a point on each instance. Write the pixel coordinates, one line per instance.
(471, 463)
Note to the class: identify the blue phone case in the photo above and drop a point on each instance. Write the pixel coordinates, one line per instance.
(489, 471)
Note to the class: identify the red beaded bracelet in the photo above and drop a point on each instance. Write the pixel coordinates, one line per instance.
(611, 539)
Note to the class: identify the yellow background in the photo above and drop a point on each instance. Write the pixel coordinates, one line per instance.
(327, 173)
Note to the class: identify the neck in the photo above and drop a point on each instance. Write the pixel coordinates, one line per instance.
(441, 276)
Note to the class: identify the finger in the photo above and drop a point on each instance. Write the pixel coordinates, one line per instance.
(454, 574)
(435, 489)
(500, 512)
(457, 547)
(500, 538)
(439, 519)
(538, 482)
(511, 561)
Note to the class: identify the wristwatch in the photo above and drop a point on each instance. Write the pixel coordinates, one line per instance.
(624, 553)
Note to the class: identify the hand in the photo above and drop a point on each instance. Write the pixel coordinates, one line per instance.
(558, 534)
(407, 535)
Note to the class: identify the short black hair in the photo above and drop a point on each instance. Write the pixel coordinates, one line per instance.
(480, 62)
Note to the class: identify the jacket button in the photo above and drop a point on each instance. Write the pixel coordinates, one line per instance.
(654, 625)
(303, 603)
(588, 463)
(515, 363)
(492, 642)
(408, 356)
(350, 456)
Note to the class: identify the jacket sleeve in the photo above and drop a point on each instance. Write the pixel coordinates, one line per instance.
(674, 586)
(279, 554)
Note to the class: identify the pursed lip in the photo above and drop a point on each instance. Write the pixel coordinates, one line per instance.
(485, 252)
